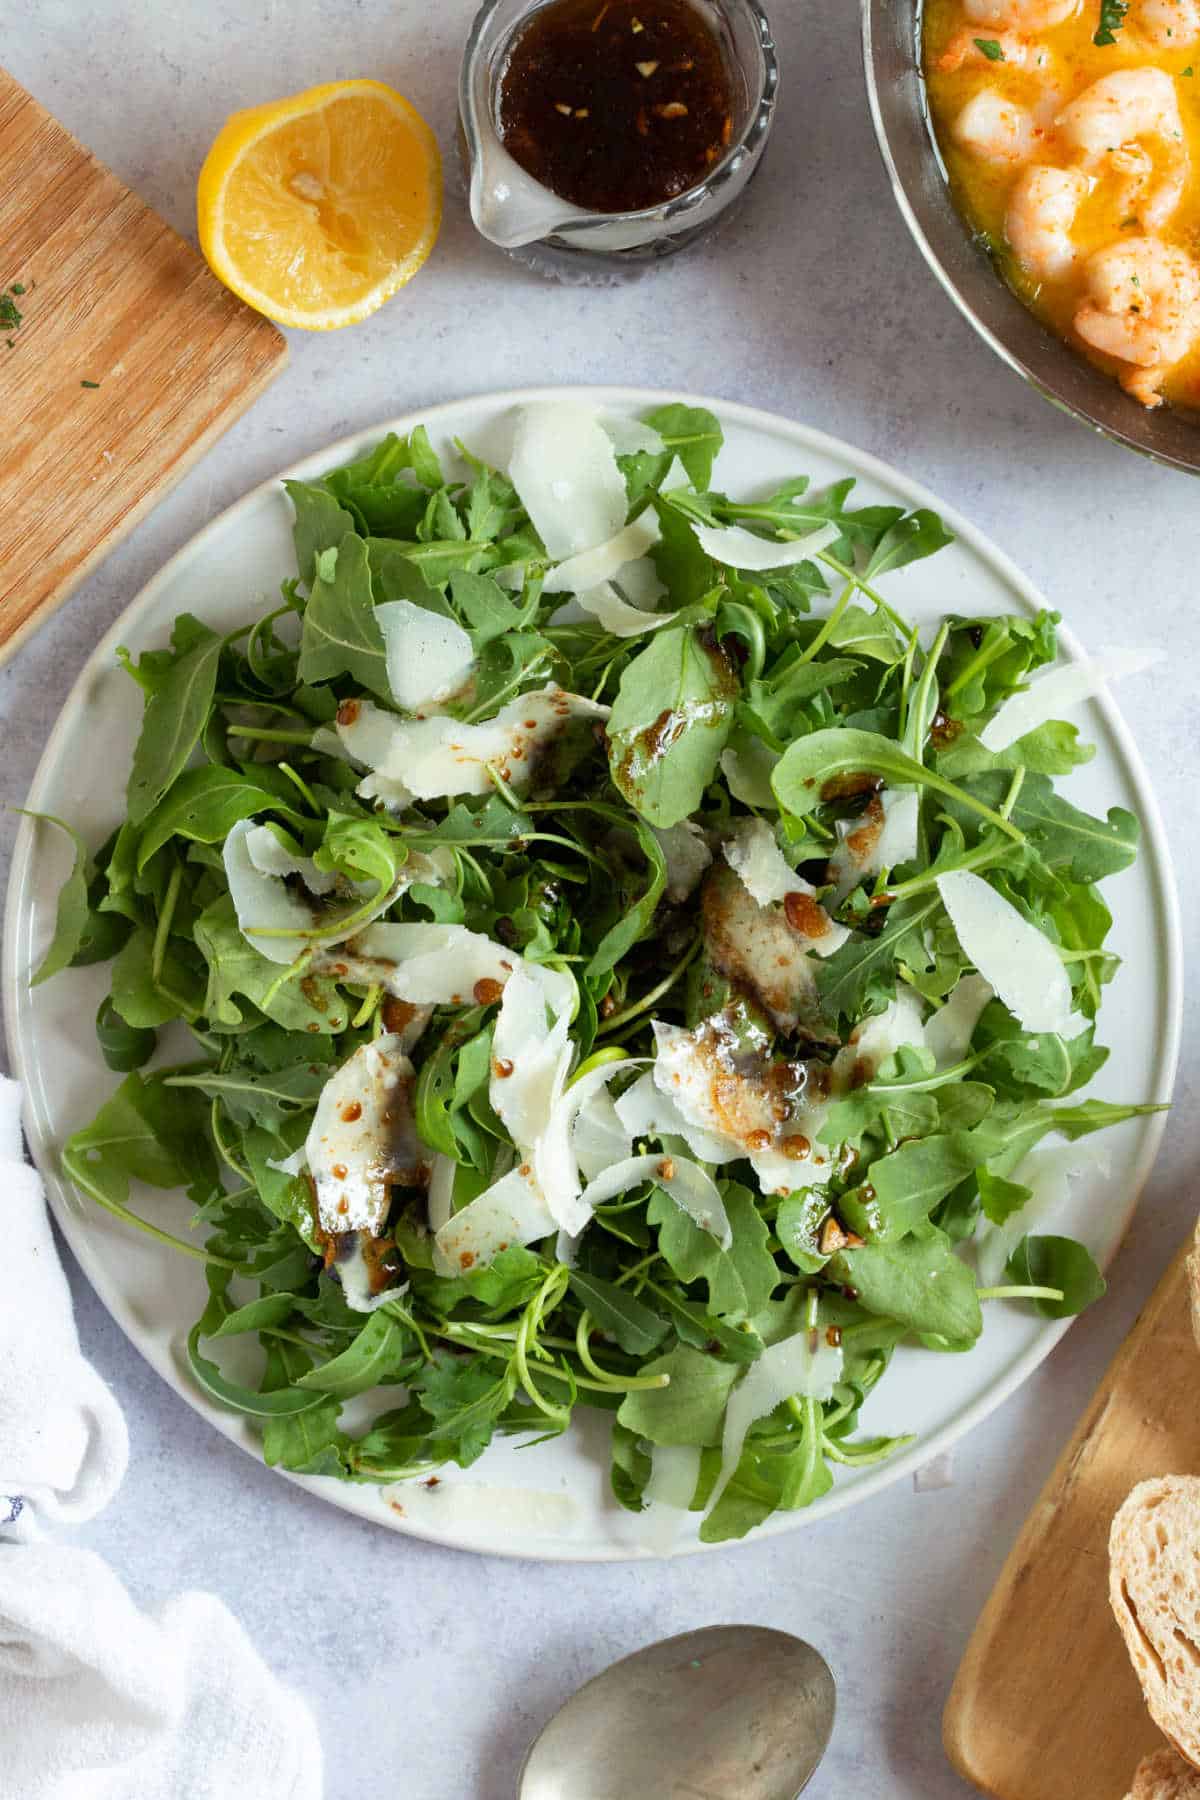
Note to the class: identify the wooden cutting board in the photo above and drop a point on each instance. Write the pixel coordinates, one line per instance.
(112, 296)
(1045, 1705)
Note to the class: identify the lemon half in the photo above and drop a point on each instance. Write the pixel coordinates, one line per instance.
(317, 209)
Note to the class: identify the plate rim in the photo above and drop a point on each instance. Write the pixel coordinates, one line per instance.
(71, 1218)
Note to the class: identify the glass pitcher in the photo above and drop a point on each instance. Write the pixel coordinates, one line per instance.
(518, 214)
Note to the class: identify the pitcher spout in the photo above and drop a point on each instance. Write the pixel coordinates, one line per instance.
(508, 206)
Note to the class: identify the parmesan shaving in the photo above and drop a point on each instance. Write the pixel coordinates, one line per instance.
(591, 567)
(738, 548)
(617, 616)
(760, 865)
(564, 469)
(429, 657)
(735, 1115)
(441, 1192)
(270, 857)
(355, 1274)
(529, 1058)
(949, 1032)
(687, 855)
(646, 1111)
(1019, 961)
(1055, 1206)
(1054, 693)
(554, 1164)
(598, 1137)
(641, 583)
(511, 1211)
(674, 1472)
(430, 965)
(629, 437)
(439, 757)
(867, 846)
(256, 865)
(693, 1192)
(876, 1039)
(804, 1365)
(362, 1139)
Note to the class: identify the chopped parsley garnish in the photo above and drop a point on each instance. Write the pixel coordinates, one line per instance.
(91, 384)
(1187, 71)
(1112, 17)
(990, 48)
(10, 313)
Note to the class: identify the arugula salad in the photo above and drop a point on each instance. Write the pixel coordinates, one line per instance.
(611, 958)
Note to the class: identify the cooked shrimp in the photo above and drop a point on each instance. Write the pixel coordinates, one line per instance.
(1108, 123)
(1143, 308)
(1167, 24)
(1041, 212)
(1012, 48)
(995, 128)
(1021, 15)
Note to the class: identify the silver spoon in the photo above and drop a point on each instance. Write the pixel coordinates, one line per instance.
(733, 1712)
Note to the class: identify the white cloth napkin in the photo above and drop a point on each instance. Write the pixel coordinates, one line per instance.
(99, 1701)
(63, 1442)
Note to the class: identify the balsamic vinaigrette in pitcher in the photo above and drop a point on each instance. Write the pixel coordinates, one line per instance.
(616, 105)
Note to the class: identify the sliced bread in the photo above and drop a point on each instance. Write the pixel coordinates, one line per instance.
(1154, 1587)
(1165, 1776)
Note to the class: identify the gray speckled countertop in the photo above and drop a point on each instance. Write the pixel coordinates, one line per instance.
(432, 1669)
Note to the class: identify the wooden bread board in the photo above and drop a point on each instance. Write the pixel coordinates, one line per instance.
(112, 296)
(1046, 1705)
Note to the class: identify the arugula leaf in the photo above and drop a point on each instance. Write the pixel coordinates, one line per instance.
(690, 433)
(741, 1279)
(867, 633)
(382, 1353)
(804, 774)
(1069, 841)
(341, 634)
(630, 1469)
(320, 523)
(1000, 1199)
(146, 995)
(238, 1398)
(124, 1047)
(266, 1099)
(139, 1136)
(180, 698)
(72, 915)
(671, 721)
(619, 1314)
(204, 805)
(486, 609)
(691, 1409)
(235, 968)
(912, 538)
(465, 1401)
(776, 701)
(1056, 1262)
(919, 1282)
(861, 975)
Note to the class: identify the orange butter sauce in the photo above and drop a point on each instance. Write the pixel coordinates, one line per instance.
(981, 189)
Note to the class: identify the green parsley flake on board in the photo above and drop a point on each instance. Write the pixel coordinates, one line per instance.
(624, 965)
(11, 315)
